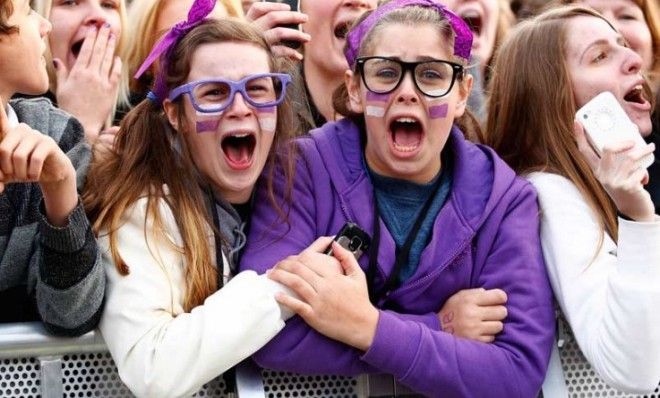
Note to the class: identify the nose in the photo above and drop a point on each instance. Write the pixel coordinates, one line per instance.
(633, 62)
(239, 108)
(364, 4)
(96, 16)
(407, 92)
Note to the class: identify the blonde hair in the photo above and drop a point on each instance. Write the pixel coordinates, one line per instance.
(143, 16)
(44, 7)
(532, 108)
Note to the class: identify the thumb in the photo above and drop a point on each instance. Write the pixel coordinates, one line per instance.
(320, 245)
(346, 258)
(61, 72)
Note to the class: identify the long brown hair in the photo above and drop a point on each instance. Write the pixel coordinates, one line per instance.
(145, 158)
(532, 108)
(414, 16)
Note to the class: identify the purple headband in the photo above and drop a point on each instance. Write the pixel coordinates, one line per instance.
(199, 10)
(462, 33)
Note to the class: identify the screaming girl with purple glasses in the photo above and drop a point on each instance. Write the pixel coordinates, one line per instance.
(171, 200)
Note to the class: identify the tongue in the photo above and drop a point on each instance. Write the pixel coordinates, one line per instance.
(407, 135)
(238, 153)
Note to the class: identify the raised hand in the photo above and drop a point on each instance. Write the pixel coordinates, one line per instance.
(269, 18)
(89, 90)
(619, 172)
(475, 314)
(27, 155)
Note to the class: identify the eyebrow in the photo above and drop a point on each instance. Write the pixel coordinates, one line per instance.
(424, 58)
(619, 39)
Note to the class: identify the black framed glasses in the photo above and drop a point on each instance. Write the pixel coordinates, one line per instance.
(433, 78)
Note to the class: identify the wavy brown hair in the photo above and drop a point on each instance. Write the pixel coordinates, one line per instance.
(149, 153)
(532, 107)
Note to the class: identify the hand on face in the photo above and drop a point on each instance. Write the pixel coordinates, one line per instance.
(271, 19)
(333, 294)
(475, 314)
(89, 90)
(619, 172)
(26, 155)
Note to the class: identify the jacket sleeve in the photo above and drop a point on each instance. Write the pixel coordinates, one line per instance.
(161, 350)
(608, 294)
(71, 279)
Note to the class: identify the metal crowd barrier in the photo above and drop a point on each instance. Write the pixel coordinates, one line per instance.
(35, 364)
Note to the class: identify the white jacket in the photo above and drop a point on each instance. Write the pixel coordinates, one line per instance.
(610, 297)
(160, 350)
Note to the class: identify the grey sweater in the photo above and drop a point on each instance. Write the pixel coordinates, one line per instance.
(59, 268)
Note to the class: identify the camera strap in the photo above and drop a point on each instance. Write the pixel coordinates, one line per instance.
(402, 255)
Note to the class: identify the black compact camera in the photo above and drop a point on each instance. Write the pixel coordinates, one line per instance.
(352, 238)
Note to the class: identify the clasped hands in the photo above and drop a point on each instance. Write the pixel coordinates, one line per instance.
(332, 297)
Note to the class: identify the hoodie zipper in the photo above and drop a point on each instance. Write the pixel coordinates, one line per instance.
(456, 255)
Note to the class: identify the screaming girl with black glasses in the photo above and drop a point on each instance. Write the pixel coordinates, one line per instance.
(454, 231)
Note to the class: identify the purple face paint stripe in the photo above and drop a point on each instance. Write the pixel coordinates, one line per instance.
(377, 97)
(270, 109)
(207, 125)
(438, 111)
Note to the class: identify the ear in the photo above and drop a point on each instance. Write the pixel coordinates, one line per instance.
(352, 83)
(171, 112)
(464, 90)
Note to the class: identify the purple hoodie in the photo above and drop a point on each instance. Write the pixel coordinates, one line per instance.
(486, 235)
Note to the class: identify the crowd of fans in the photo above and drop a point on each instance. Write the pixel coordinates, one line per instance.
(172, 172)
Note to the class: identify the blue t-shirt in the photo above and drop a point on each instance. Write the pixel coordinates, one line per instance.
(401, 201)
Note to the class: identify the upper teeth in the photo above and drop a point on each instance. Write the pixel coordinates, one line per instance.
(406, 120)
(242, 135)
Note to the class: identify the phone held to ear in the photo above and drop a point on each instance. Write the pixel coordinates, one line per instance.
(605, 123)
(352, 238)
(295, 6)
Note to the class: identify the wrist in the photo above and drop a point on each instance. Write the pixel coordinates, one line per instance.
(367, 329)
(60, 198)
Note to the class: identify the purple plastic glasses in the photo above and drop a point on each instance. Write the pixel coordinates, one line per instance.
(264, 90)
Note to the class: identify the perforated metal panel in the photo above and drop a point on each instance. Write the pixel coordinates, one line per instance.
(83, 375)
(20, 378)
(581, 380)
(92, 375)
(289, 385)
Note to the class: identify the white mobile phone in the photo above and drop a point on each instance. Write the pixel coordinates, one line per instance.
(606, 123)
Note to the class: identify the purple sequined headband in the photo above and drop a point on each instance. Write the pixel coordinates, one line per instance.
(199, 10)
(462, 33)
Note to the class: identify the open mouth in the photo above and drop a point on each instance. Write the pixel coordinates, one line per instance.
(341, 30)
(636, 95)
(239, 149)
(406, 134)
(474, 20)
(75, 48)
